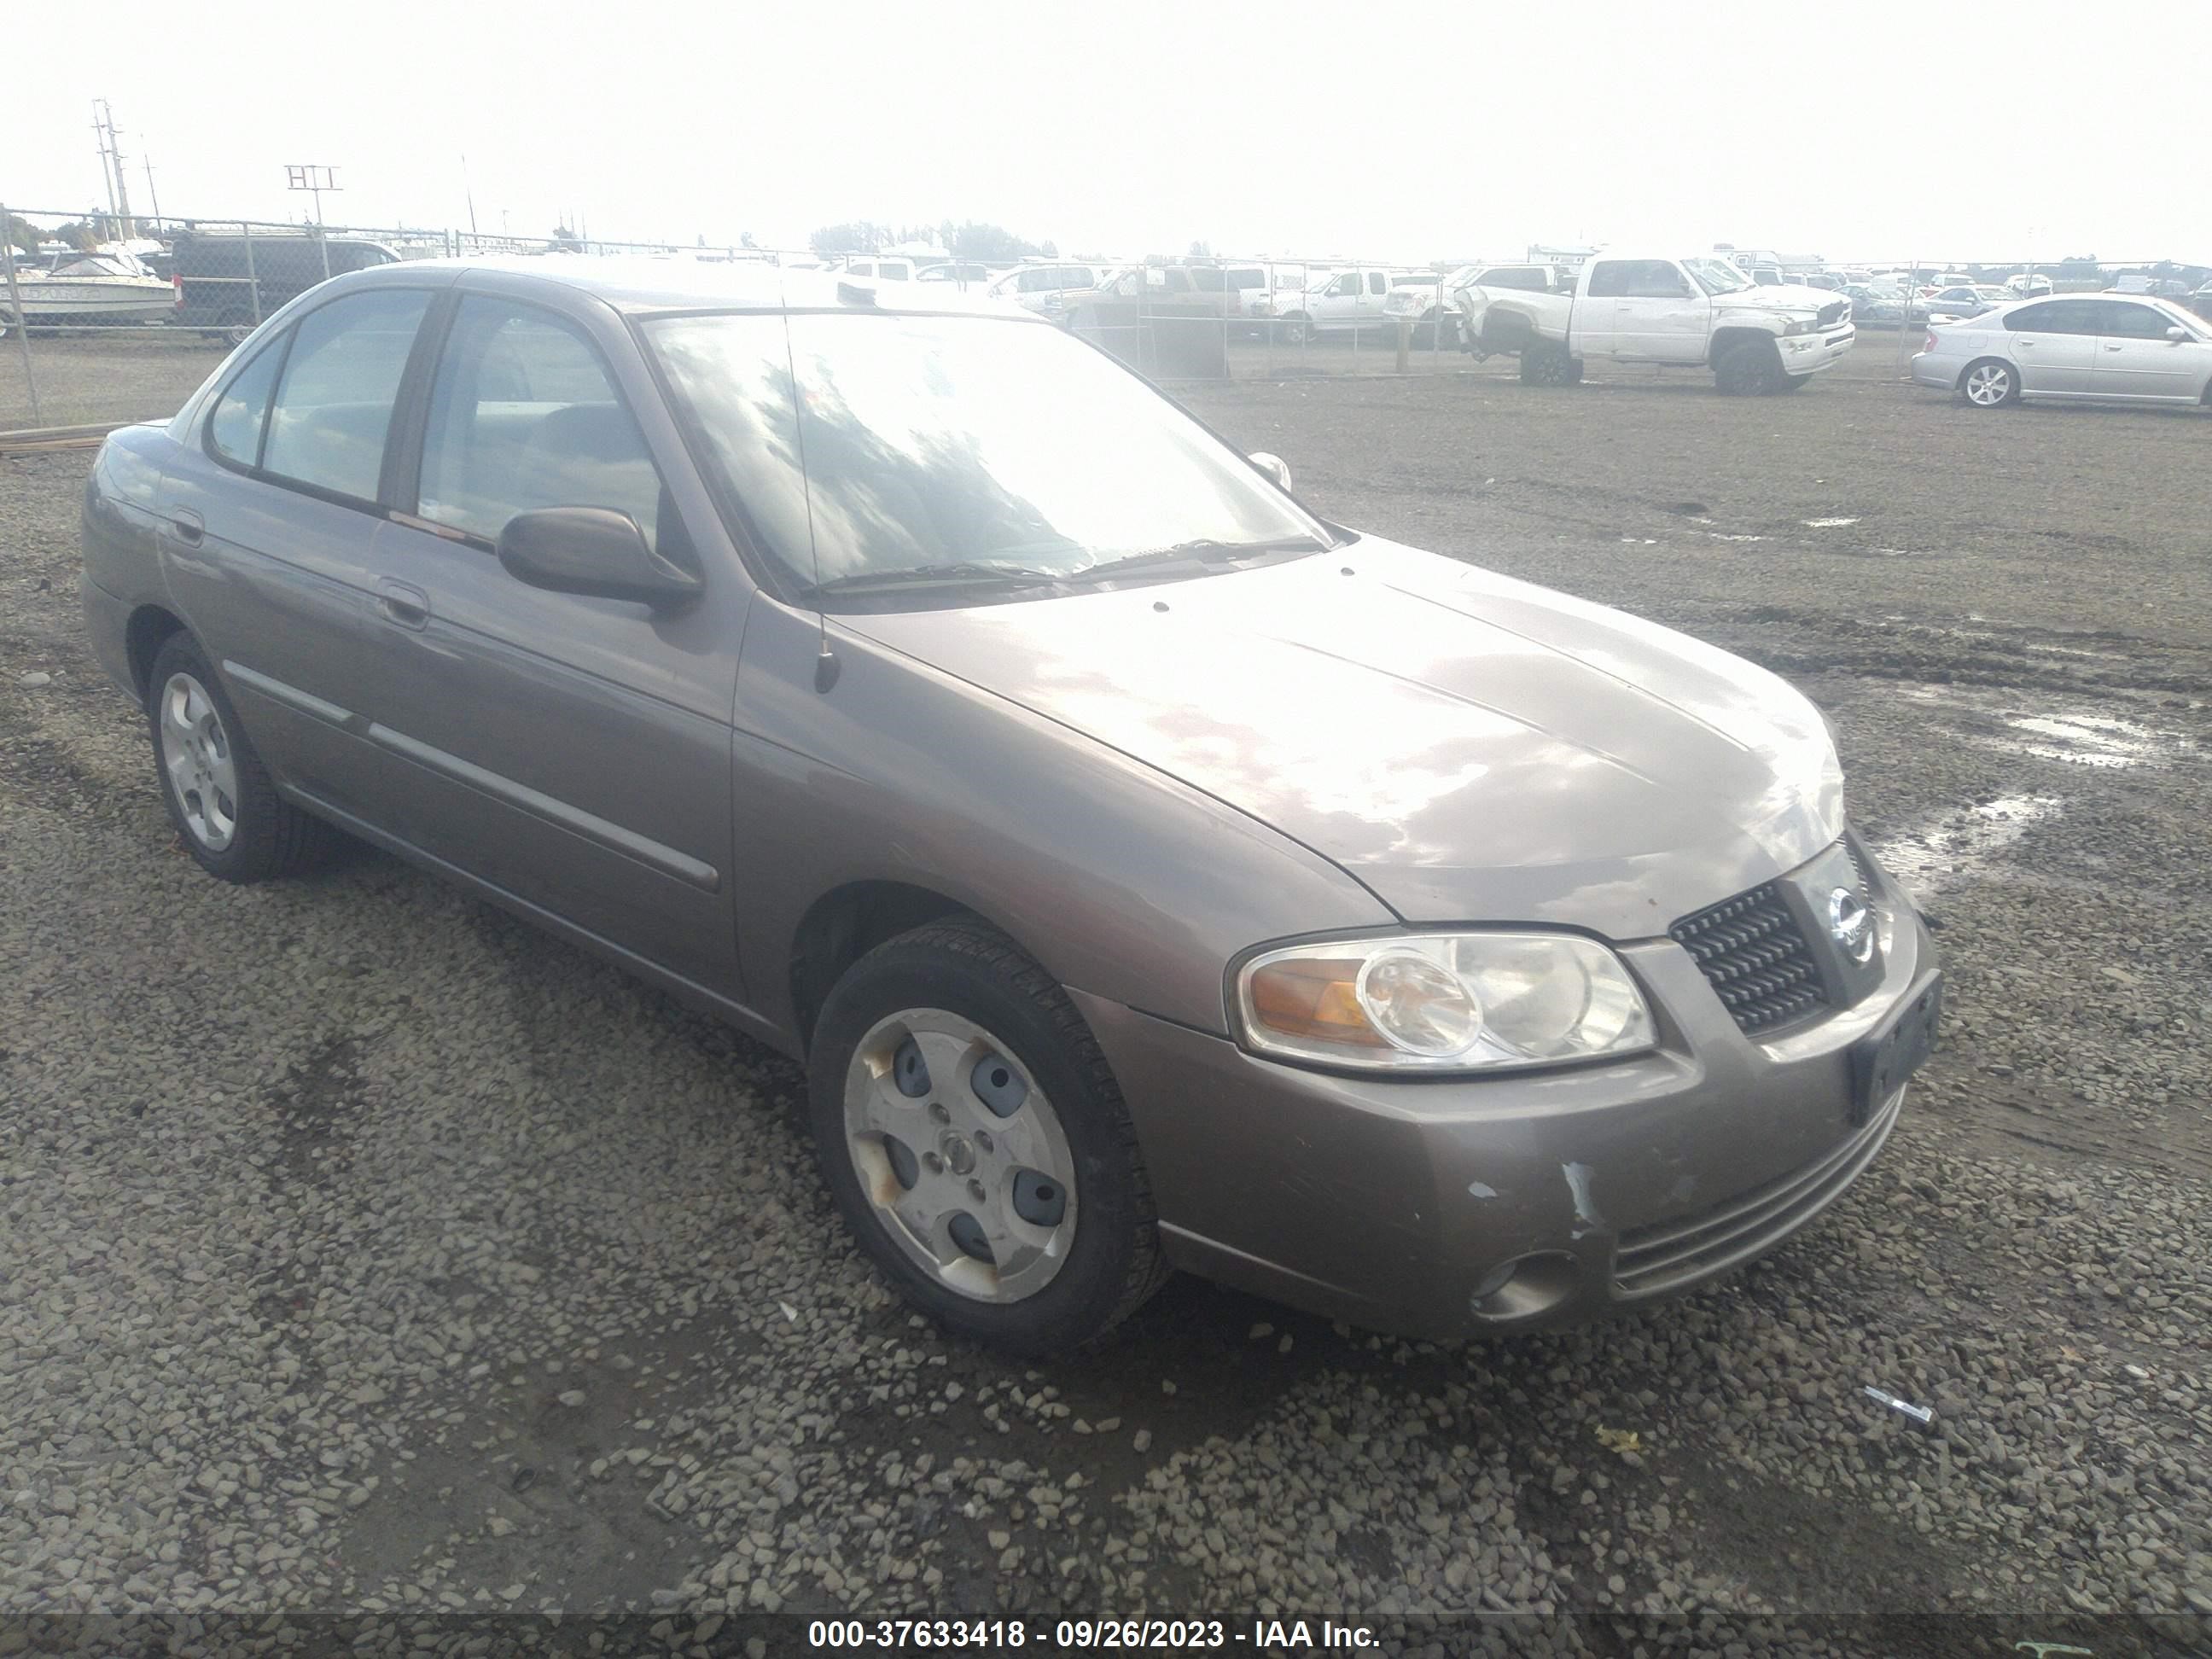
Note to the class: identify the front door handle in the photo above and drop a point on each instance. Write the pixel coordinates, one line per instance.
(187, 525)
(401, 606)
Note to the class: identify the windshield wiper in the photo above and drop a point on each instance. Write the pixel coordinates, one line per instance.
(965, 571)
(1204, 551)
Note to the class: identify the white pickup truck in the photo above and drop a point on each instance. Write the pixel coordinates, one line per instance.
(1695, 311)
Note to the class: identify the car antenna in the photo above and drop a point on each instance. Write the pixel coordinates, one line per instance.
(825, 659)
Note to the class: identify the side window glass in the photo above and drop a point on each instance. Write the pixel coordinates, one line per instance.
(1377, 282)
(1654, 279)
(1344, 285)
(333, 407)
(2127, 322)
(234, 429)
(522, 416)
(1208, 279)
(2034, 320)
(1609, 280)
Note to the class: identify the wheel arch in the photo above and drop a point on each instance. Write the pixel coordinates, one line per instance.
(143, 636)
(1727, 339)
(846, 923)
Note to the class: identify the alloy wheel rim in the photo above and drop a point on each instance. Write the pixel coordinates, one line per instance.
(196, 753)
(960, 1155)
(1988, 385)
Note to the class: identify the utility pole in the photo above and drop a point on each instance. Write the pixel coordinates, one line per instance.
(146, 161)
(469, 192)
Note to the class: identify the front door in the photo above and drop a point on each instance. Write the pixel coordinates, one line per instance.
(1660, 316)
(572, 751)
(2138, 358)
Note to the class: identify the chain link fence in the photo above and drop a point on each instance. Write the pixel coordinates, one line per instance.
(102, 322)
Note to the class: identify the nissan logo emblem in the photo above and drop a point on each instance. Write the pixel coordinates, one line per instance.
(1850, 924)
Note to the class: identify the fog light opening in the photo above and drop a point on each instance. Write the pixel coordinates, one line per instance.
(1524, 1287)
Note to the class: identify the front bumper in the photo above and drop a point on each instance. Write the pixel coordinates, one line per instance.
(1809, 354)
(106, 626)
(1394, 1205)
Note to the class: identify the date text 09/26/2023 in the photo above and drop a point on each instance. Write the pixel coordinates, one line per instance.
(1142, 1634)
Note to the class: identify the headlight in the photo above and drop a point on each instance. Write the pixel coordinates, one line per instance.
(1442, 1002)
(1801, 325)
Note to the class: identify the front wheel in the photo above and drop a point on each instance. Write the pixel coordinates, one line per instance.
(1990, 384)
(976, 1143)
(1752, 369)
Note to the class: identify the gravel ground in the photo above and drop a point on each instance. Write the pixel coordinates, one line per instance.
(362, 1250)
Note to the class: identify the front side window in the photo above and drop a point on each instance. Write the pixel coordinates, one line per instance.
(2120, 321)
(333, 408)
(234, 429)
(954, 445)
(522, 416)
(1638, 279)
(1344, 285)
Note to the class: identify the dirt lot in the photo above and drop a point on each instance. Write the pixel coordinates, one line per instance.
(361, 1249)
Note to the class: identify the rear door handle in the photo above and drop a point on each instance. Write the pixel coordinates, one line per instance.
(402, 605)
(187, 525)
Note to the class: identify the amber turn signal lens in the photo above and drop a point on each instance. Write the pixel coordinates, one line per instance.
(1313, 997)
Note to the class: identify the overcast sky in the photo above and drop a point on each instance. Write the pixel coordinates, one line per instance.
(1401, 132)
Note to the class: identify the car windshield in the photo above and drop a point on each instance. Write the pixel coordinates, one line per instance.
(951, 458)
(1717, 276)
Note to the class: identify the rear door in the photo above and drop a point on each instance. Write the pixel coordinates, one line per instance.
(2137, 357)
(267, 529)
(2055, 343)
(574, 753)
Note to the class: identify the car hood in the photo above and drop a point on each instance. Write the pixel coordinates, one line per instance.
(1468, 746)
(1787, 297)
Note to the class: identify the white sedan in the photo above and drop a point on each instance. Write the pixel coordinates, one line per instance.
(2103, 348)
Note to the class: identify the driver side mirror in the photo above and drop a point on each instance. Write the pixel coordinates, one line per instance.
(1274, 466)
(2177, 332)
(592, 550)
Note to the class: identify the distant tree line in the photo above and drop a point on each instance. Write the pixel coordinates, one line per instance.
(971, 239)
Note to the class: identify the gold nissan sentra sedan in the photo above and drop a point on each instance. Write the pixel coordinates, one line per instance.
(1149, 872)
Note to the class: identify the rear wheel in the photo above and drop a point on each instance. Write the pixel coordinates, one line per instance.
(226, 811)
(1990, 383)
(974, 1136)
(1543, 363)
(1298, 329)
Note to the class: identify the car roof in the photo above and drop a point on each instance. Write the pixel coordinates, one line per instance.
(639, 285)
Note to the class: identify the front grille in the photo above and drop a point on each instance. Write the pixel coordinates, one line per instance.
(1832, 314)
(1859, 869)
(1671, 1255)
(1754, 954)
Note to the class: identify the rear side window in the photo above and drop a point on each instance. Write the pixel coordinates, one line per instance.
(1207, 280)
(333, 407)
(2055, 317)
(1377, 282)
(234, 429)
(522, 416)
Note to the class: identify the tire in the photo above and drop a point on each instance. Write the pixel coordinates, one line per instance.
(1752, 369)
(1298, 329)
(1990, 383)
(1794, 382)
(1544, 362)
(910, 1128)
(226, 811)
